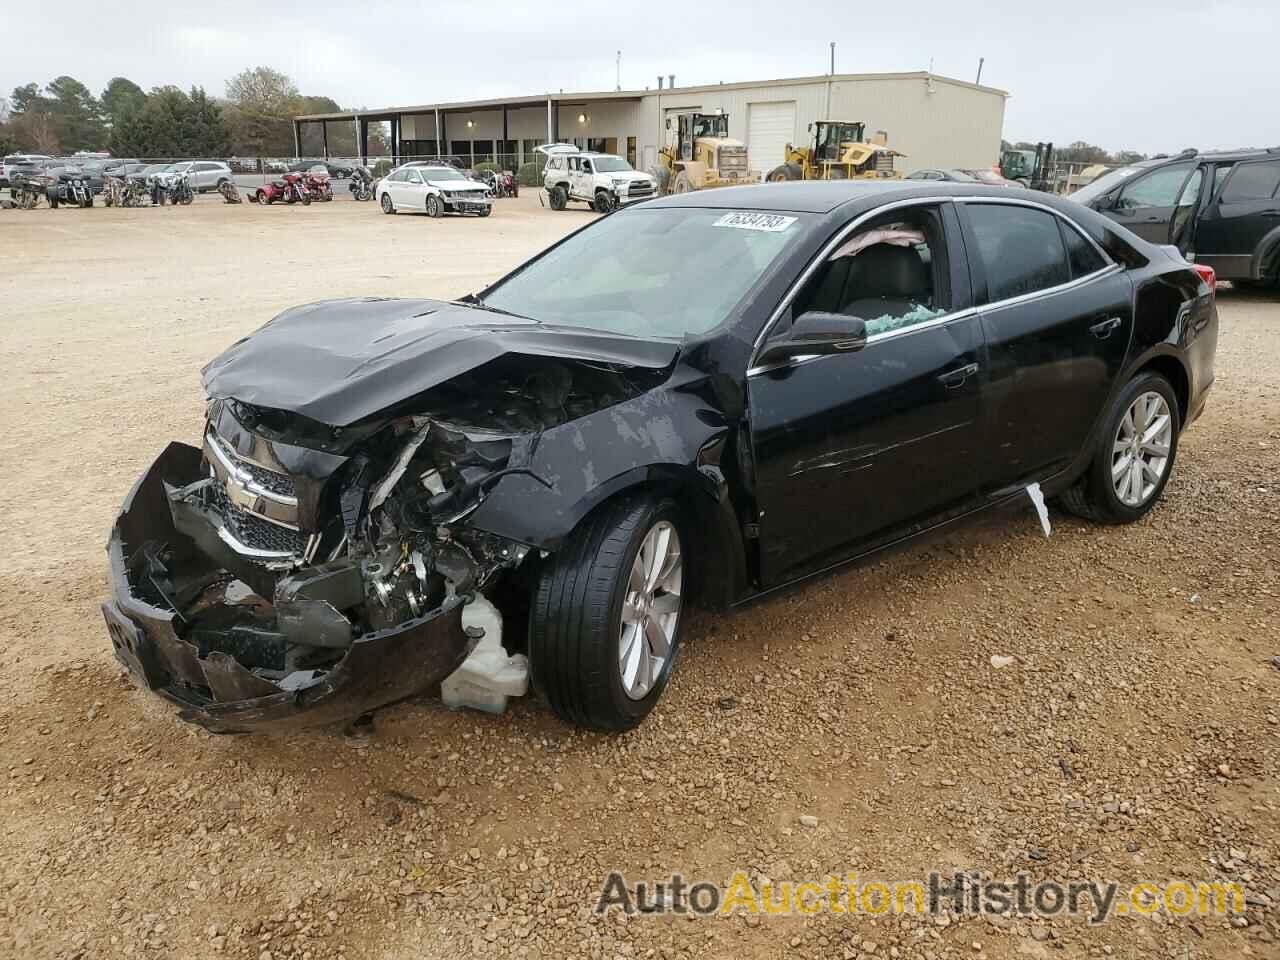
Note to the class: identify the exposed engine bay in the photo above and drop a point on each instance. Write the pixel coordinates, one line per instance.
(287, 545)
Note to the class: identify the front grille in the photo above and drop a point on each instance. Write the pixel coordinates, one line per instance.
(733, 159)
(252, 530)
(638, 189)
(467, 196)
(279, 483)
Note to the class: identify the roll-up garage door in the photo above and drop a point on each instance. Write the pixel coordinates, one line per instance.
(770, 127)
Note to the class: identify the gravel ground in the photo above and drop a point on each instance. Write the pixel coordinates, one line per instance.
(1135, 734)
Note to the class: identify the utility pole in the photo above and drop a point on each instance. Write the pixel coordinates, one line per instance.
(981, 61)
(619, 87)
(833, 58)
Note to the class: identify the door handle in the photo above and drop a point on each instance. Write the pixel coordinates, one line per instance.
(1102, 329)
(955, 378)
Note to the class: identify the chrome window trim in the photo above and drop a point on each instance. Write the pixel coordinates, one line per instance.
(1110, 268)
(1020, 202)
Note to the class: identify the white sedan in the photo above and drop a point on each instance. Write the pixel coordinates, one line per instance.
(434, 190)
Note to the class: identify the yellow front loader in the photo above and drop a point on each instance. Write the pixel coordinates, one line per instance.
(838, 152)
(700, 153)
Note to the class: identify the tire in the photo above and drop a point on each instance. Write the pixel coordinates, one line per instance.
(559, 198)
(603, 203)
(1095, 496)
(187, 198)
(486, 211)
(386, 204)
(88, 202)
(576, 629)
(783, 172)
(218, 186)
(434, 206)
(263, 197)
(53, 202)
(682, 183)
(306, 199)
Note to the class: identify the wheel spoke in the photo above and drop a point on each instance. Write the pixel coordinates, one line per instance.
(1118, 470)
(1127, 428)
(630, 611)
(633, 650)
(657, 557)
(1150, 472)
(657, 642)
(665, 604)
(669, 567)
(1156, 428)
(1155, 449)
(635, 583)
(1135, 480)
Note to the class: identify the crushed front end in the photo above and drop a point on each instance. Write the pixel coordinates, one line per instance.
(288, 574)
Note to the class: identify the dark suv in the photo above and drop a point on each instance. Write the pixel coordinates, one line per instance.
(1220, 209)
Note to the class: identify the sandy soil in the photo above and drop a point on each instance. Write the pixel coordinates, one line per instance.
(1136, 736)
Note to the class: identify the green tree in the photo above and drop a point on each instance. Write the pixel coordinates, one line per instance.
(25, 98)
(121, 96)
(76, 113)
(172, 124)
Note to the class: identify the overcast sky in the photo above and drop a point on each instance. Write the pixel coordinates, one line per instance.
(1146, 75)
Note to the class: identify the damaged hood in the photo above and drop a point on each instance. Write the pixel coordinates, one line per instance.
(340, 361)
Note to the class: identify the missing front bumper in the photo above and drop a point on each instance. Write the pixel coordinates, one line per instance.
(212, 688)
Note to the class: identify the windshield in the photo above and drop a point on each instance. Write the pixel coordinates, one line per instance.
(442, 173)
(959, 176)
(662, 272)
(1104, 184)
(611, 165)
(711, 126)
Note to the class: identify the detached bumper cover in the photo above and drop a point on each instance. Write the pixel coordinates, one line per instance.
(217, 692)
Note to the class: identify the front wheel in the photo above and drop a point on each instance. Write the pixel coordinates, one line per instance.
(604, 201)
(783, 173)
(1133, 457)
(682, 183)
(485, 211)
(605, 621)
(264, 197)
(387, 205)
(435, 208)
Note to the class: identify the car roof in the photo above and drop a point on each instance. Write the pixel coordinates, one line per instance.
(1216, 156)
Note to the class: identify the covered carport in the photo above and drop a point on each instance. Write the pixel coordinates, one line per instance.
(433, 129)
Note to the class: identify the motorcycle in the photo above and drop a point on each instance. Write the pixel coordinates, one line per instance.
(170, 188)
(361, 185)
(27, 189)
(70, 186)
(317, 186)
(500, 183)
(289, 189)
(230, 192)
(510, 186)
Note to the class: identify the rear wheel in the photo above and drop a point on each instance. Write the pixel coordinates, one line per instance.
(784, 172)
(559, 198)
(1134, 456)
(263, 196)
(682, 183)
(606, 616)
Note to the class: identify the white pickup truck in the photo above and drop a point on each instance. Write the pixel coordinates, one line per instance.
(600, 179)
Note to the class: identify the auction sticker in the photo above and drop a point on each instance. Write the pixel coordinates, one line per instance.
(768, 222)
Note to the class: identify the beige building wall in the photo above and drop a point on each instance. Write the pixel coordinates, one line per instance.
(937, 122)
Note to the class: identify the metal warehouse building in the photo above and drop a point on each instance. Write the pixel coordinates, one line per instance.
(936, 121)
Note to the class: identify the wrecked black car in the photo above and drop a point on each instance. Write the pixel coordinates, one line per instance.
(699, 398)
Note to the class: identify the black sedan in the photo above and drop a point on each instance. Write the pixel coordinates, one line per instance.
(699, 398)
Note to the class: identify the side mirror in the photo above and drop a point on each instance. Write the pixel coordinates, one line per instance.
(816, 333)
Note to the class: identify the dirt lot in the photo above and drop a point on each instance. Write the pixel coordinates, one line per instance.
(1135, 736)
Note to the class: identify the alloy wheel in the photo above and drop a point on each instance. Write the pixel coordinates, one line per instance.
(1140, 451)
(650, 610)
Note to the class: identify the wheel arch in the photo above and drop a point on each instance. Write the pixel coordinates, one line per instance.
(1172, 368)
(718, 554)
(1266, 258)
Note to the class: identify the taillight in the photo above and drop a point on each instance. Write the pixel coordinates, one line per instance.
(1207, 275)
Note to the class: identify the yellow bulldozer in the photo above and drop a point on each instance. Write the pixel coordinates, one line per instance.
(838, 152)
(700, 153)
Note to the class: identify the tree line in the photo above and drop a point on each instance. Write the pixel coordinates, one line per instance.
(254, 119)
(1081, 152)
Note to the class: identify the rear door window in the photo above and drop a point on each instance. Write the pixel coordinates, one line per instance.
(1081, 254)
(1021, 249)
(1253, 181)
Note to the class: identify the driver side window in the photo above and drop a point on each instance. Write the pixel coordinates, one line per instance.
(891, 272)
(1158, 189)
